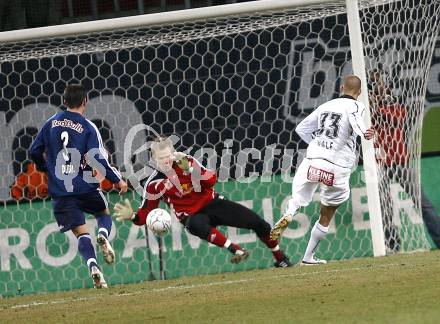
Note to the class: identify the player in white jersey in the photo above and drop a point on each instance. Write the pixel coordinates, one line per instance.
(331, 131)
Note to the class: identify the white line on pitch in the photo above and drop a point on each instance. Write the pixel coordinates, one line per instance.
(216, 283)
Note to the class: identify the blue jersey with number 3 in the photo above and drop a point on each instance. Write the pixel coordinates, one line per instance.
(67, 147)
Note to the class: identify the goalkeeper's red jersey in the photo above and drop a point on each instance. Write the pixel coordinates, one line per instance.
(184, 193)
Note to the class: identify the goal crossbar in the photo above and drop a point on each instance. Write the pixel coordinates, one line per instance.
(146, 20)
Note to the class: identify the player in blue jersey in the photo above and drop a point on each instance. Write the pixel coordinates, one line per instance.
(69, 148)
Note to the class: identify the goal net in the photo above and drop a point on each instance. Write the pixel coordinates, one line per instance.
(232, 89)
(398, 42)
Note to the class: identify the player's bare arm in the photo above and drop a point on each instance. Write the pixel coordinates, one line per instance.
(123, 187)
(369, 133)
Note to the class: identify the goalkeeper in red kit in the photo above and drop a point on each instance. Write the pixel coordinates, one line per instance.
(188, 189)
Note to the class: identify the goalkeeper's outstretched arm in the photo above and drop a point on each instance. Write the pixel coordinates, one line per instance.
(150, 201)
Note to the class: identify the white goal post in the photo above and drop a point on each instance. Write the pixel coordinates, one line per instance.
(357, 54)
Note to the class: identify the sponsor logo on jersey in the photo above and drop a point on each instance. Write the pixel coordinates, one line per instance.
(187, 188)
(318, 175)
(68, 124)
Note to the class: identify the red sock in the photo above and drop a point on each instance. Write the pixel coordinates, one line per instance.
(234, 247)
(269, 242)
(216, 237)
(273, 245)
(278, 255)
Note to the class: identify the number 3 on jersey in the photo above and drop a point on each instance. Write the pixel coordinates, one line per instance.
(329, 129)
(65, 139)
(66, 168)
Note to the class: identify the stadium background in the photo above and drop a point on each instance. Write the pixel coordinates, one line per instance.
(255, 118)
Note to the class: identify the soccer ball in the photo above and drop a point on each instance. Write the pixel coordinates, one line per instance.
(159, 221)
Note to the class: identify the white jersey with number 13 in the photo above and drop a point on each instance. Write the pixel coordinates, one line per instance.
(331, 131)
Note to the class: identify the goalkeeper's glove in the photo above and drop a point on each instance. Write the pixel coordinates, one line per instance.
(182, 162)
(124, 211)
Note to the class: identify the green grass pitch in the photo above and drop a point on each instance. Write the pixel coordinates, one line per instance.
(396, 289)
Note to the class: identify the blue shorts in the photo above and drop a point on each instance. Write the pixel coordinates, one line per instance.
(69, 210)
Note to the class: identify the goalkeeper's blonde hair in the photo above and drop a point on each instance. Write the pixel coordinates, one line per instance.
(160, 143)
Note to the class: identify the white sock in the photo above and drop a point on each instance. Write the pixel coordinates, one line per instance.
(292, 206)
(103, 231)
(317, 234)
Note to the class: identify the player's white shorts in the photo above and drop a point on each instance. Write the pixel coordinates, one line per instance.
(333, 180)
